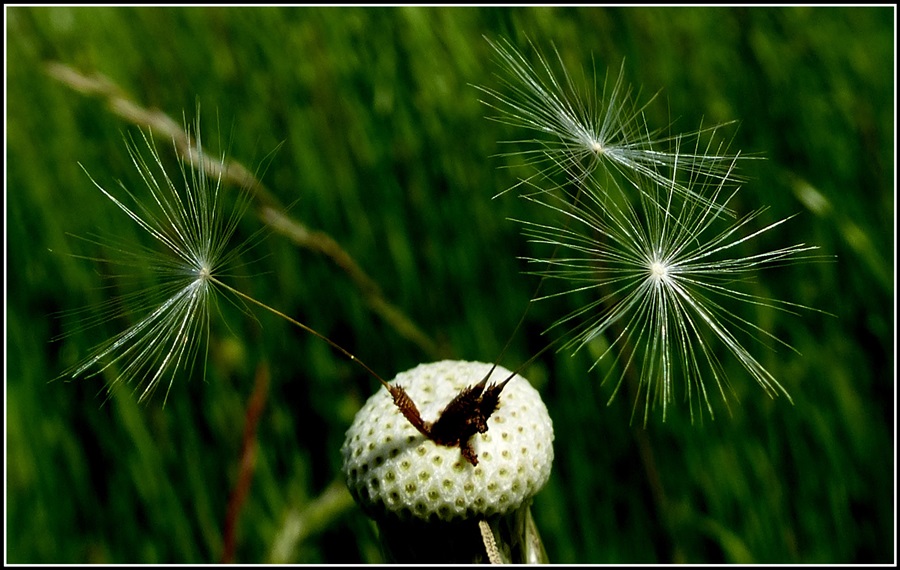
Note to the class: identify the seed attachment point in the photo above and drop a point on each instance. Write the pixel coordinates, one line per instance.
(659, 271)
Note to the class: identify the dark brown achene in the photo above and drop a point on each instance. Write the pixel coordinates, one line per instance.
(465, 415)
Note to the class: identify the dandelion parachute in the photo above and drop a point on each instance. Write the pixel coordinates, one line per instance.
(185, 219)
(644, 234)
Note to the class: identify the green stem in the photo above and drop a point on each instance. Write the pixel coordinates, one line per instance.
(499, 539)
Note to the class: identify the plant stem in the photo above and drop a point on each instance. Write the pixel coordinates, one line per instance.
(247, 462)
(334, 502)
(499, 539)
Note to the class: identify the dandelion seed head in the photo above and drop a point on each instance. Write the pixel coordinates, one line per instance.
(516, 454)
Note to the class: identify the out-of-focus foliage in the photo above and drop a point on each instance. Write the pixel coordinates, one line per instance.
(384, 146)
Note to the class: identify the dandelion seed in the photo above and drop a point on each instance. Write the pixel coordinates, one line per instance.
(661, 274)
(585, 129)
(186, 220)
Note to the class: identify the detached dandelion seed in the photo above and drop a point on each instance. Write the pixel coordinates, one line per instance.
(584, 130)
(647, 234)
(661, 274)
(187, 221)
(196, 236)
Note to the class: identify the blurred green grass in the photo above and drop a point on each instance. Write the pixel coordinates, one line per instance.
(386, 148)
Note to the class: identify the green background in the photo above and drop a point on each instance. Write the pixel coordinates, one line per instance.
(385, 146)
